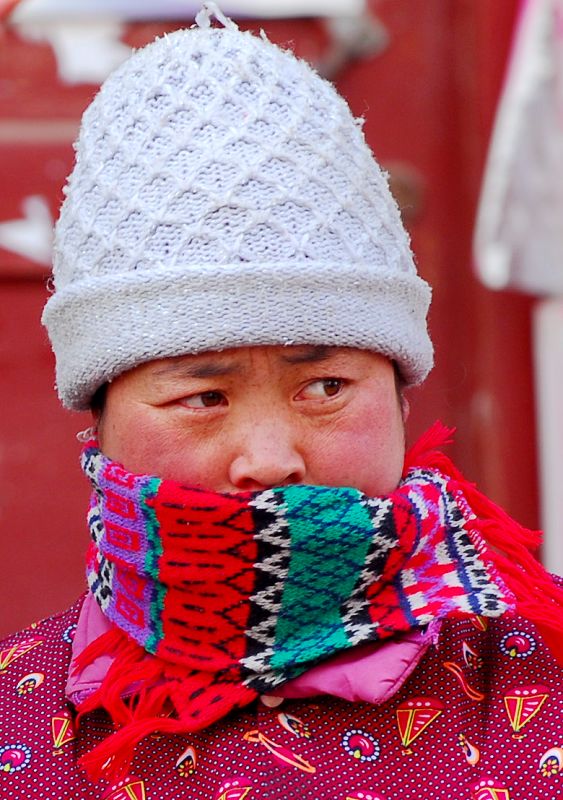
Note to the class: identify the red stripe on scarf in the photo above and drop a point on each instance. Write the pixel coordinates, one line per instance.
(218, 538)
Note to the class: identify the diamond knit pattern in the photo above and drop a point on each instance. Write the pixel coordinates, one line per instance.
(162, 189)
(218, 182)
(325, 563)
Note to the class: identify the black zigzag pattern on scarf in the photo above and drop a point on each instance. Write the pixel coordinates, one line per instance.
(273, 540)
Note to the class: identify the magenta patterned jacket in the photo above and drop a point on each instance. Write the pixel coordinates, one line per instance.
(479, 718)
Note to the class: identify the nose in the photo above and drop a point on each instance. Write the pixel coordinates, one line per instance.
(267, 456)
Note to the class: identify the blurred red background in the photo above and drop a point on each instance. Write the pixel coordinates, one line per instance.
(428, 99)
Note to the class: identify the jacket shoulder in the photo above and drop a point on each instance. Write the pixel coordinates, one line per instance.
(34, 665)
(48, 631)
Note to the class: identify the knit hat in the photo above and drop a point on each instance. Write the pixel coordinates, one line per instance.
(223, 195)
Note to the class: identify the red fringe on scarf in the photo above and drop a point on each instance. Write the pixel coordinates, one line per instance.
(509, 546)
(141, 692)
(144, 695)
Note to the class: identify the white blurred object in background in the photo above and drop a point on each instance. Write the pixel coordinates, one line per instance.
(549, 370)
(85, 53)
(86, 35)
(137, 10)
(518, 240)
(519, 233)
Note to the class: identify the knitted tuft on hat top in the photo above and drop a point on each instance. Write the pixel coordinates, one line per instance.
(223, 195)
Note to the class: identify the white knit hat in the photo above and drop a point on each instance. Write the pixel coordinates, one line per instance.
(223, 195)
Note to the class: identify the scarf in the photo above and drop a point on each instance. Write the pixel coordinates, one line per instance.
(217, 598)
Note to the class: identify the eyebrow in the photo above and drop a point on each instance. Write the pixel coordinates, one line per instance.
(203, 369)
(313, 354)
(212, 369)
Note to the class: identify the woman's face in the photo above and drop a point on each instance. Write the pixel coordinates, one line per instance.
(250, 418)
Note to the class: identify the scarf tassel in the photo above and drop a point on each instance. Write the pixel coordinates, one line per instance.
(145, 696)
(504, 543)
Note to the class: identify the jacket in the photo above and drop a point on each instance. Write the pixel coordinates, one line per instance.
(479, 718)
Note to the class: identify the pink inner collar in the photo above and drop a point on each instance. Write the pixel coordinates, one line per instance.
(371, 673)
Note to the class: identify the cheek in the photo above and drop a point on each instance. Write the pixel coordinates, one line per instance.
(364, 450)
(192, 459)
(145, 444)
(126, 436)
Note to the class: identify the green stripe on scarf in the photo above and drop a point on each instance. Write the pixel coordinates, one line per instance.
(330, 539)
(148, 491)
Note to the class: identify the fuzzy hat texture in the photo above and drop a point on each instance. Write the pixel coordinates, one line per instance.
(224, 195)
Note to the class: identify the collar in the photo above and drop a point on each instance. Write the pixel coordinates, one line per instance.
(371, 673)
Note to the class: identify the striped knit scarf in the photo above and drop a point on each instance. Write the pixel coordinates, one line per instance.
(217, 598)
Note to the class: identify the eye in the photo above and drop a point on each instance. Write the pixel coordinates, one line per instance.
(321, 389)
(205, 400)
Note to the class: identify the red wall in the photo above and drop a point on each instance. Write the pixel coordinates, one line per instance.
(429, 101)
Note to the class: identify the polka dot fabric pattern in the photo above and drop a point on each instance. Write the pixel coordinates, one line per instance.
(224, 195)
(479, 719)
